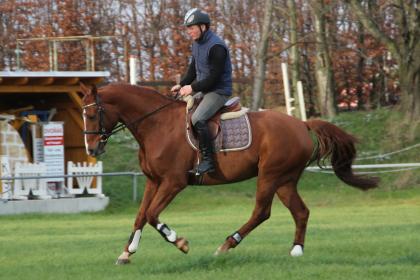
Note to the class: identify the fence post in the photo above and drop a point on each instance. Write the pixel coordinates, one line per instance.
(134, 187)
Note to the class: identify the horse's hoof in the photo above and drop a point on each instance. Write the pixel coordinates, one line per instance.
(123, 258)
(182, 244)
(297, 251)
(225, 247)
(221, 250)
(218, 251)
(122, 261)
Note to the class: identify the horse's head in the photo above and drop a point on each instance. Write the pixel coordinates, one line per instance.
(98, 121)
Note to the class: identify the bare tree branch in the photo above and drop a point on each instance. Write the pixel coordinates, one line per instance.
(373, 28)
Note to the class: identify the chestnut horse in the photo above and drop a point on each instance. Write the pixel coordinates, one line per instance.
(281, 149)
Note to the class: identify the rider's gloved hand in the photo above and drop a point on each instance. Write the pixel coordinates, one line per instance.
(186, 90)
(175, 88)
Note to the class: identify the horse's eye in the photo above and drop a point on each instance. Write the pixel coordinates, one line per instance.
(90, 117)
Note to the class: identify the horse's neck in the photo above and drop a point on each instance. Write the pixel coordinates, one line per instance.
(130, 103)
(140, 113)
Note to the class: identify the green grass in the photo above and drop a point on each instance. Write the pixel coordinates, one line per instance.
(382, 131)
(353, 240)
(351, 234)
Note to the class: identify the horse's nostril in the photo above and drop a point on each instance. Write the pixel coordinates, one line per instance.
(91, 151)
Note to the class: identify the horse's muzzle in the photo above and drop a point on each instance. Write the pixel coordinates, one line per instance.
(99, 150)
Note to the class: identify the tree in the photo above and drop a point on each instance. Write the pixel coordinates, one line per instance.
(294, 52)
(262, 57)
(323, 73)
(404, 45)
(322, 40)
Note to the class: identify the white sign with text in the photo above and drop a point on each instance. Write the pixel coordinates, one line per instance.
(53, 134)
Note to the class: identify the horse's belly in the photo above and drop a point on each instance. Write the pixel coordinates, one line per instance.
(232, 167)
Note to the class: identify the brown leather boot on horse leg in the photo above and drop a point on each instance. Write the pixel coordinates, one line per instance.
(206, 164)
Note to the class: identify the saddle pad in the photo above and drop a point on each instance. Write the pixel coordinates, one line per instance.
(235, 135)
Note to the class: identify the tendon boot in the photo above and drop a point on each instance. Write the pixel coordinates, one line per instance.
(206, 148)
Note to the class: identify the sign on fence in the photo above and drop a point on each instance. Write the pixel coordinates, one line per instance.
(53, 134)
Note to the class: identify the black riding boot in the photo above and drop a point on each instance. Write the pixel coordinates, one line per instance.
(206, 148)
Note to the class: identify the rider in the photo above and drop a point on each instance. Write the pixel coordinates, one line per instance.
(210, 74)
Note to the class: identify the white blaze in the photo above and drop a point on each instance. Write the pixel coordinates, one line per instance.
(84, 124)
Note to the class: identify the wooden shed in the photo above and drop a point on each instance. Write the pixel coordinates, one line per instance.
(55, 92)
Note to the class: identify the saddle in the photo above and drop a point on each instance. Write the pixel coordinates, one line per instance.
(214, 124)
(229, 127)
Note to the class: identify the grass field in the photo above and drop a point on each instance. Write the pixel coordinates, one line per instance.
(351, 234)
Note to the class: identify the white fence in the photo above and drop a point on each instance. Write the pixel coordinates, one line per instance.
(387, 168)
(36, 186)
(84, 183)
(6, 179)
(5, 185)
(30, 179)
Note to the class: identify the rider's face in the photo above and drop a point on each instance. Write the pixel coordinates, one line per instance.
(194, 31)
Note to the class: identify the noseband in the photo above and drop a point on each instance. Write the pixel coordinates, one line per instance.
(101, 131)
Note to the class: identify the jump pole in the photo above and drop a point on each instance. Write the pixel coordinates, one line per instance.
(133, 70)
(289, 100)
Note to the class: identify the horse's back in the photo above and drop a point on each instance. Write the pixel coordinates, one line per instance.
(280, 133)
(278, 123)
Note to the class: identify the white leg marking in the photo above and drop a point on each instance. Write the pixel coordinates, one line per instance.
(297, 251)
(135, 242)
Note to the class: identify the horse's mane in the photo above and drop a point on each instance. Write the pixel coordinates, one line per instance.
(120, 88)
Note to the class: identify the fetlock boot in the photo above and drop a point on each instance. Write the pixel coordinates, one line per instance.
(206, 148)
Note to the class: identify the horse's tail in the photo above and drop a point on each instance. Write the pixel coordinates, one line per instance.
(334, 142)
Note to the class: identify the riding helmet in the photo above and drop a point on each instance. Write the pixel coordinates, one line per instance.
(195, 16)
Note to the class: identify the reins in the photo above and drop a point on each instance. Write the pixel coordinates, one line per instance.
(121, 126)
(102, 131)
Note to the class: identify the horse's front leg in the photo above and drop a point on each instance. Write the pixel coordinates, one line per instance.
(166, 192)
(134, 240)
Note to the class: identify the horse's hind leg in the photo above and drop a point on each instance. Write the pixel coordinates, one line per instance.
(289, 196)
(262, 210)
(134, 240)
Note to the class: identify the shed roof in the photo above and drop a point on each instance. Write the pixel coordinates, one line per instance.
(54, 81)
(55, 74)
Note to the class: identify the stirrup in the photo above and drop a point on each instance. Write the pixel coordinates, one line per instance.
(197, 177)
(209, 170)
(196, 172)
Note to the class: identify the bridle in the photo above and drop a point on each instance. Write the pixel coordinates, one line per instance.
(102, 130)
(104, 135)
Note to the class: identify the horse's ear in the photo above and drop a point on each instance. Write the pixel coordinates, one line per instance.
(85, 89)
(88, 89)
